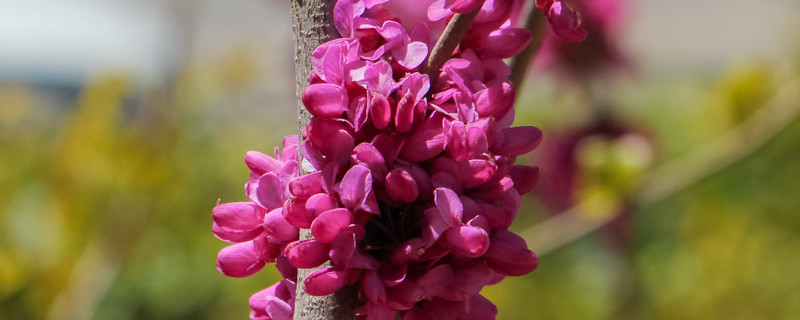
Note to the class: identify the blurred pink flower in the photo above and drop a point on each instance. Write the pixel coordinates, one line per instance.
(599, 53)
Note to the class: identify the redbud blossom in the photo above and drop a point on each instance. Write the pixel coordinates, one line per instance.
(412, 185)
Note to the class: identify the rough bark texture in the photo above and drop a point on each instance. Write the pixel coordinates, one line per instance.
(312, 24)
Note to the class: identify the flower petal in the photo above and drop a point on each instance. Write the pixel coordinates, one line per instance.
(258, 302)
(566, 22)
(356, 190)
(438, 10)
(447, 180)
(294, 211)
(345, 254)
(239, 260)
(278, 309)
(465, 6)
(524, 177)
(285, 268)
(472, 276)
(404, 295)
(306, 185)
(328, 61)
(509, 255)
(330, 223)
(325, 100)
(448, 204)
(436, 280)
(229, 235)
(270, 192)
(505, 43)
(367, 154)
(401, 185)
(305, 254)
(404, 117)
(468, 241)
(476, 172)
(480, 308)
(260, 163)
(373, 287)
(278, 228)
(434, 225)
(325, 281)
(456, 141)
(495, 100)
(411, 55)
(378, 77)
(343, 14)
(389, 145)
(320, 203)
(425, 142)
(238, 216)
(380, 111)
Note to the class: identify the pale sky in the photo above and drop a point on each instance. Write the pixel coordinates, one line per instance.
(60, 39)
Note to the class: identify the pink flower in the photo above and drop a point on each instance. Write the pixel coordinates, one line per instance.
(401, 186)
(274, 303)
(238, 221)
(241, 259)
(413, 185)
(392, 38)
(565, 21)
(509, 255)
(440, 9)
(378, 37)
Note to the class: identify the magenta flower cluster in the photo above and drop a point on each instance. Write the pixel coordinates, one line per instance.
(411, 186)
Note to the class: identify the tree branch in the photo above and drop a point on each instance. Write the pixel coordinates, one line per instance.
(312, 25)
(521, 64)
(447, 43)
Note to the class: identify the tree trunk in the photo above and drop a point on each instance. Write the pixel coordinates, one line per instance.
(312, 25)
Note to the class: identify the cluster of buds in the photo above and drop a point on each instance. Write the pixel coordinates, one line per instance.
(411, 185)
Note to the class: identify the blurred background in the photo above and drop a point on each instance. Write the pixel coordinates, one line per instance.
(670, 164)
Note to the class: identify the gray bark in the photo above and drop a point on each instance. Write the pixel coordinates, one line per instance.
(312, 25)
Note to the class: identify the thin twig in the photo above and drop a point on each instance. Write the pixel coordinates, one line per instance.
(88, 284)
(521, 63)
(447, 43)
(727, 149)
(670, 178)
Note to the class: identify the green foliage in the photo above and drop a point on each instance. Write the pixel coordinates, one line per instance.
(106, 202)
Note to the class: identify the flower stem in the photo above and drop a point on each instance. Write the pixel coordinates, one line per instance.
(521, 63)
(447, 43)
